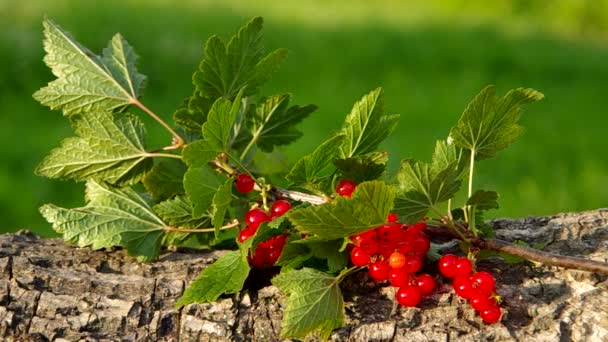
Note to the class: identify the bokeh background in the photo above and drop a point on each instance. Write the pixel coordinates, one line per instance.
(431, 57)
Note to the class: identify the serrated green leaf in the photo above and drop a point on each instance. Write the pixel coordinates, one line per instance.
(220, 204)
(86, 82)
(272, 123)
(329, 251)
(216, 133)
(165, 179)
(177, 212)
(226, 69)
(316, 167)
(113, 217)
(367, 126)
(294, 254)
(421, 188)
(315, 303)
(193, 114)
(201, 184)
(446, 155)
(484, 200)
(489, 124)
(226, 275)
(361, 168)
(108, 148)
(343, 217)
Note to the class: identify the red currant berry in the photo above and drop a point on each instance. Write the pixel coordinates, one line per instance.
(413, 264)
(447, 265)
(358, 258)
(369, 247)
(258, 259)
(408, 295)
(389, 233)
(245, 234)
(345, 188)
(278, 242)
(480, 301)
(418, 226)
(396, 260)
(463, 266)
(385, 250)
(279, 208)
(421, 244)
(255, 217)
(358, 238)
(426, 284)
(484, 281)
(463, 285)
(244, 183)
(491, 314)
(398, 277)
(272, 256)
(391, 218)
(378, 270)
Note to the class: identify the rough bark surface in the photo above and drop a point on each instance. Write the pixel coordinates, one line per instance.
(51, 291)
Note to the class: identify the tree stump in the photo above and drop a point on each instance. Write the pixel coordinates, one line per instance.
(53, 291)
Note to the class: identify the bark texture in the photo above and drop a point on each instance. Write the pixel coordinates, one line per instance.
(51, 291)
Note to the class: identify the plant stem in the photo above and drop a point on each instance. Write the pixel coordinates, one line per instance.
(471, 168)
(163, 155)
(178, 141)
(546, 258)
(300, 196)
(234, 223)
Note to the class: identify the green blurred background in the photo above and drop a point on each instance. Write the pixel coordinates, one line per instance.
(431, 57)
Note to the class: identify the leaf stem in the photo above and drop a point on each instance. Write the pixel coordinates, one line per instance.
(163, 155)
(472, 167)
(178, 141)
(234, 223)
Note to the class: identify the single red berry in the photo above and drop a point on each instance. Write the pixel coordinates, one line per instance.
(389, 233)
(491, 314)
(396, 260)
(385, 250)
(369, 247)
(398, 277)
(272, 256)
(480, 301)
(358, 258)
(463, 285)
(255, 217)
(258, 259)
(484, 281)
(368, 235)
(426, 284)
(408, 295)
(244, 183)
(447, 265)
(279, 208)
(463, 266)
(421, 244)
(278, 242)
(245, 234)
(378, 270)
(345, 188)
(413, 264)
(391, 218)
(418, 226)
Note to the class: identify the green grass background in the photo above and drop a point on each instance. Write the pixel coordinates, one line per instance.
(431, 57)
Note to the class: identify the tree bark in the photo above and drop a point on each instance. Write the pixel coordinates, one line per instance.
(52, 291)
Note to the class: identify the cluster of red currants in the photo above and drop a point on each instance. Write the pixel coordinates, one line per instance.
(395, 252)
(268, 252)
(476, 287)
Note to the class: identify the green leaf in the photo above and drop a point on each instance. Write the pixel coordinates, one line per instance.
(361, 168)
(216, 133)
(220, 204)
(316, 167)
(368, 207)
(86, 82)
(226, 69)
(226, 275)
(193, 114)
(201, 184)
(177, 212)
(113, 217)
(165, 179)
(484, 200)
(489, 123)
(315, 303)
(367, 126)
(422, 187)
(294, 254)
(273, 122)
(447, 155)
(329, 251)
(108, 148)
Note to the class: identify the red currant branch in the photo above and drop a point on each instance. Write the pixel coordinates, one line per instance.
(178, 142)
(531, 254)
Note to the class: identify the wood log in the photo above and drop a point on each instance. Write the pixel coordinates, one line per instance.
(53, 291)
